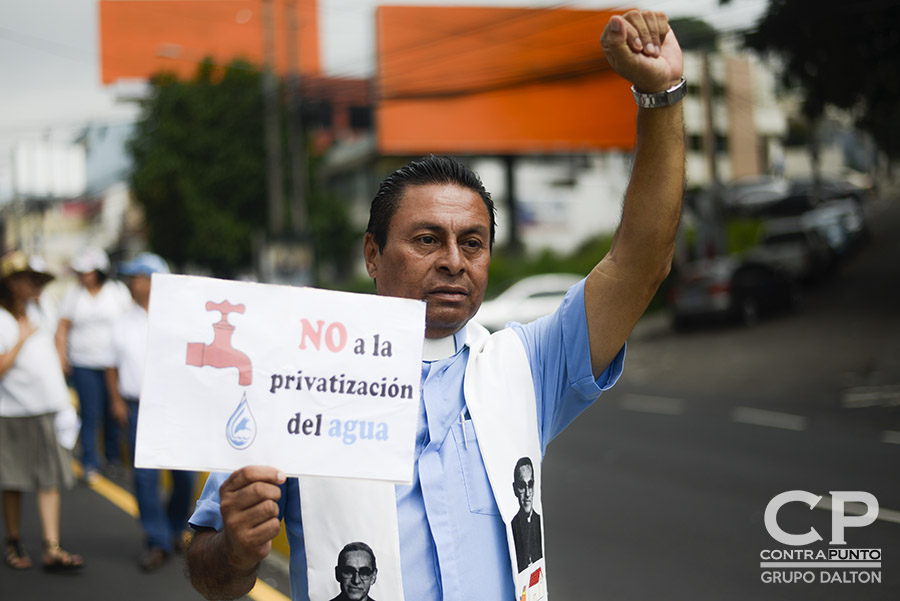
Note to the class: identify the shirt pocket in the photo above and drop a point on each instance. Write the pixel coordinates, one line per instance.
(478, 487)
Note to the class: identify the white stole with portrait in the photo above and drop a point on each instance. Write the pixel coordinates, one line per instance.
(500, 397)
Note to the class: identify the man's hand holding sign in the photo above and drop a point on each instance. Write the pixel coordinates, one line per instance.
(487, 402)
(249, 504)
(313, 382)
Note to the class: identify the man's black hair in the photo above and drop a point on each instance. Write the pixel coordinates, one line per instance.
(357, 546)
(521, 463)
(427, 170)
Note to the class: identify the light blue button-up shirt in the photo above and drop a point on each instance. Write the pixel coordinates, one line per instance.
(452, 539)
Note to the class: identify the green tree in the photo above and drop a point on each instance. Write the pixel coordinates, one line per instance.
(694, 33)
(199, 166)
(846, 54)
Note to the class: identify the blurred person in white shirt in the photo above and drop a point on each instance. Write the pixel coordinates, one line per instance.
(83, 339)
(162, 525)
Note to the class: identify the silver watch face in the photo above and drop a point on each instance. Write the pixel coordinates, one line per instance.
(660, 99)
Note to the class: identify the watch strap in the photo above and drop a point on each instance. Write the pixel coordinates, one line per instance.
(660, 99)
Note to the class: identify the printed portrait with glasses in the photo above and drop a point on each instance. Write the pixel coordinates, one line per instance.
(526, 524)
(355, 572)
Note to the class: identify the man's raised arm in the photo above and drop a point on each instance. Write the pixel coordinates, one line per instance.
(223, 564)
(642, 49)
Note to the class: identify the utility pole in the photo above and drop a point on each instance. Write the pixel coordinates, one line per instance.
(296, 138)
(274, 170)
(295, 250)
(15, 207)
(514, 242)
(284, 256)
(712, 240)
(709, 132)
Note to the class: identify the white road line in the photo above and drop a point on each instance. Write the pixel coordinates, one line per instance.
(652, 404)
(771, 419)
(885, 515)
(871, 396)
(891, 436)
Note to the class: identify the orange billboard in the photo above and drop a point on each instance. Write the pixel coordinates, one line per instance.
(141, 37)
(487, 80)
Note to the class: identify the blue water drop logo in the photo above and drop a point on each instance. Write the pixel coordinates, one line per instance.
(241, 428)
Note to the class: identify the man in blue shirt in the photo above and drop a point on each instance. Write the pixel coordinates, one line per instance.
(429, 237)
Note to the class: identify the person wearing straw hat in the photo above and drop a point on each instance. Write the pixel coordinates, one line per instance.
(32, 392)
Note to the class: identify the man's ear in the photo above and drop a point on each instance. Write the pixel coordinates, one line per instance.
(337, 573)
(374, 575)
(370, 253)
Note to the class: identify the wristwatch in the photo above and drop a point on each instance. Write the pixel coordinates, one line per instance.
(660, 99)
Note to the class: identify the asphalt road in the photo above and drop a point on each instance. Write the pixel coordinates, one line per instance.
(659, 490)
(99, 523)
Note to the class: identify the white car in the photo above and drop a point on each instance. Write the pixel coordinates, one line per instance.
(526, 300)
(840, 221)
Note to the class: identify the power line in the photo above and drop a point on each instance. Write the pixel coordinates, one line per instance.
(468, 30)
(38, 43)
(489, 78)
(74, 124)
(521, 30)
(572, 71)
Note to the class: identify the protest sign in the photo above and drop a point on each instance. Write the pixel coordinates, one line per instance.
(313, 382)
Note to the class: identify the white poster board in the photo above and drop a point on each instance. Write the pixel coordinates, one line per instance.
(313, 382)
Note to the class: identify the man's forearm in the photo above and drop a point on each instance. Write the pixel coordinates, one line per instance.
(211, 572)
(645, 240)
(621, 286)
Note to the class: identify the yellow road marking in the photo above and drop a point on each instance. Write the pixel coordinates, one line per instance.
(263, 592)
(117, 495)
(125, 501)
(111, 491)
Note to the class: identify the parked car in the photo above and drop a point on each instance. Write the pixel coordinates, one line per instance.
(788, 205)
(751, 192)
(729, 288)
(840, 221)
(794, 248)
(526, 300)
(828, 188)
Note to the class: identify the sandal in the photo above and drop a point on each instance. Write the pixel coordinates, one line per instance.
(16, 556)
(57, 559)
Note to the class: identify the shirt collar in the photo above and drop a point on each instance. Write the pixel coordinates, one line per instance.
(435, 349)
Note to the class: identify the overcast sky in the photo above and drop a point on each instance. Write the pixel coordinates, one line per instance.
(51, 78)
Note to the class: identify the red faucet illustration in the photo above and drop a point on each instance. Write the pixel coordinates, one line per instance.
(220, 353)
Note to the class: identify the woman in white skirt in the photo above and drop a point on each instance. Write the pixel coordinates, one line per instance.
(32, 392)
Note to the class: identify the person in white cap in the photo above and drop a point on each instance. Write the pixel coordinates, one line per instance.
(162, 523)
(32, 392)
(83, 342)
